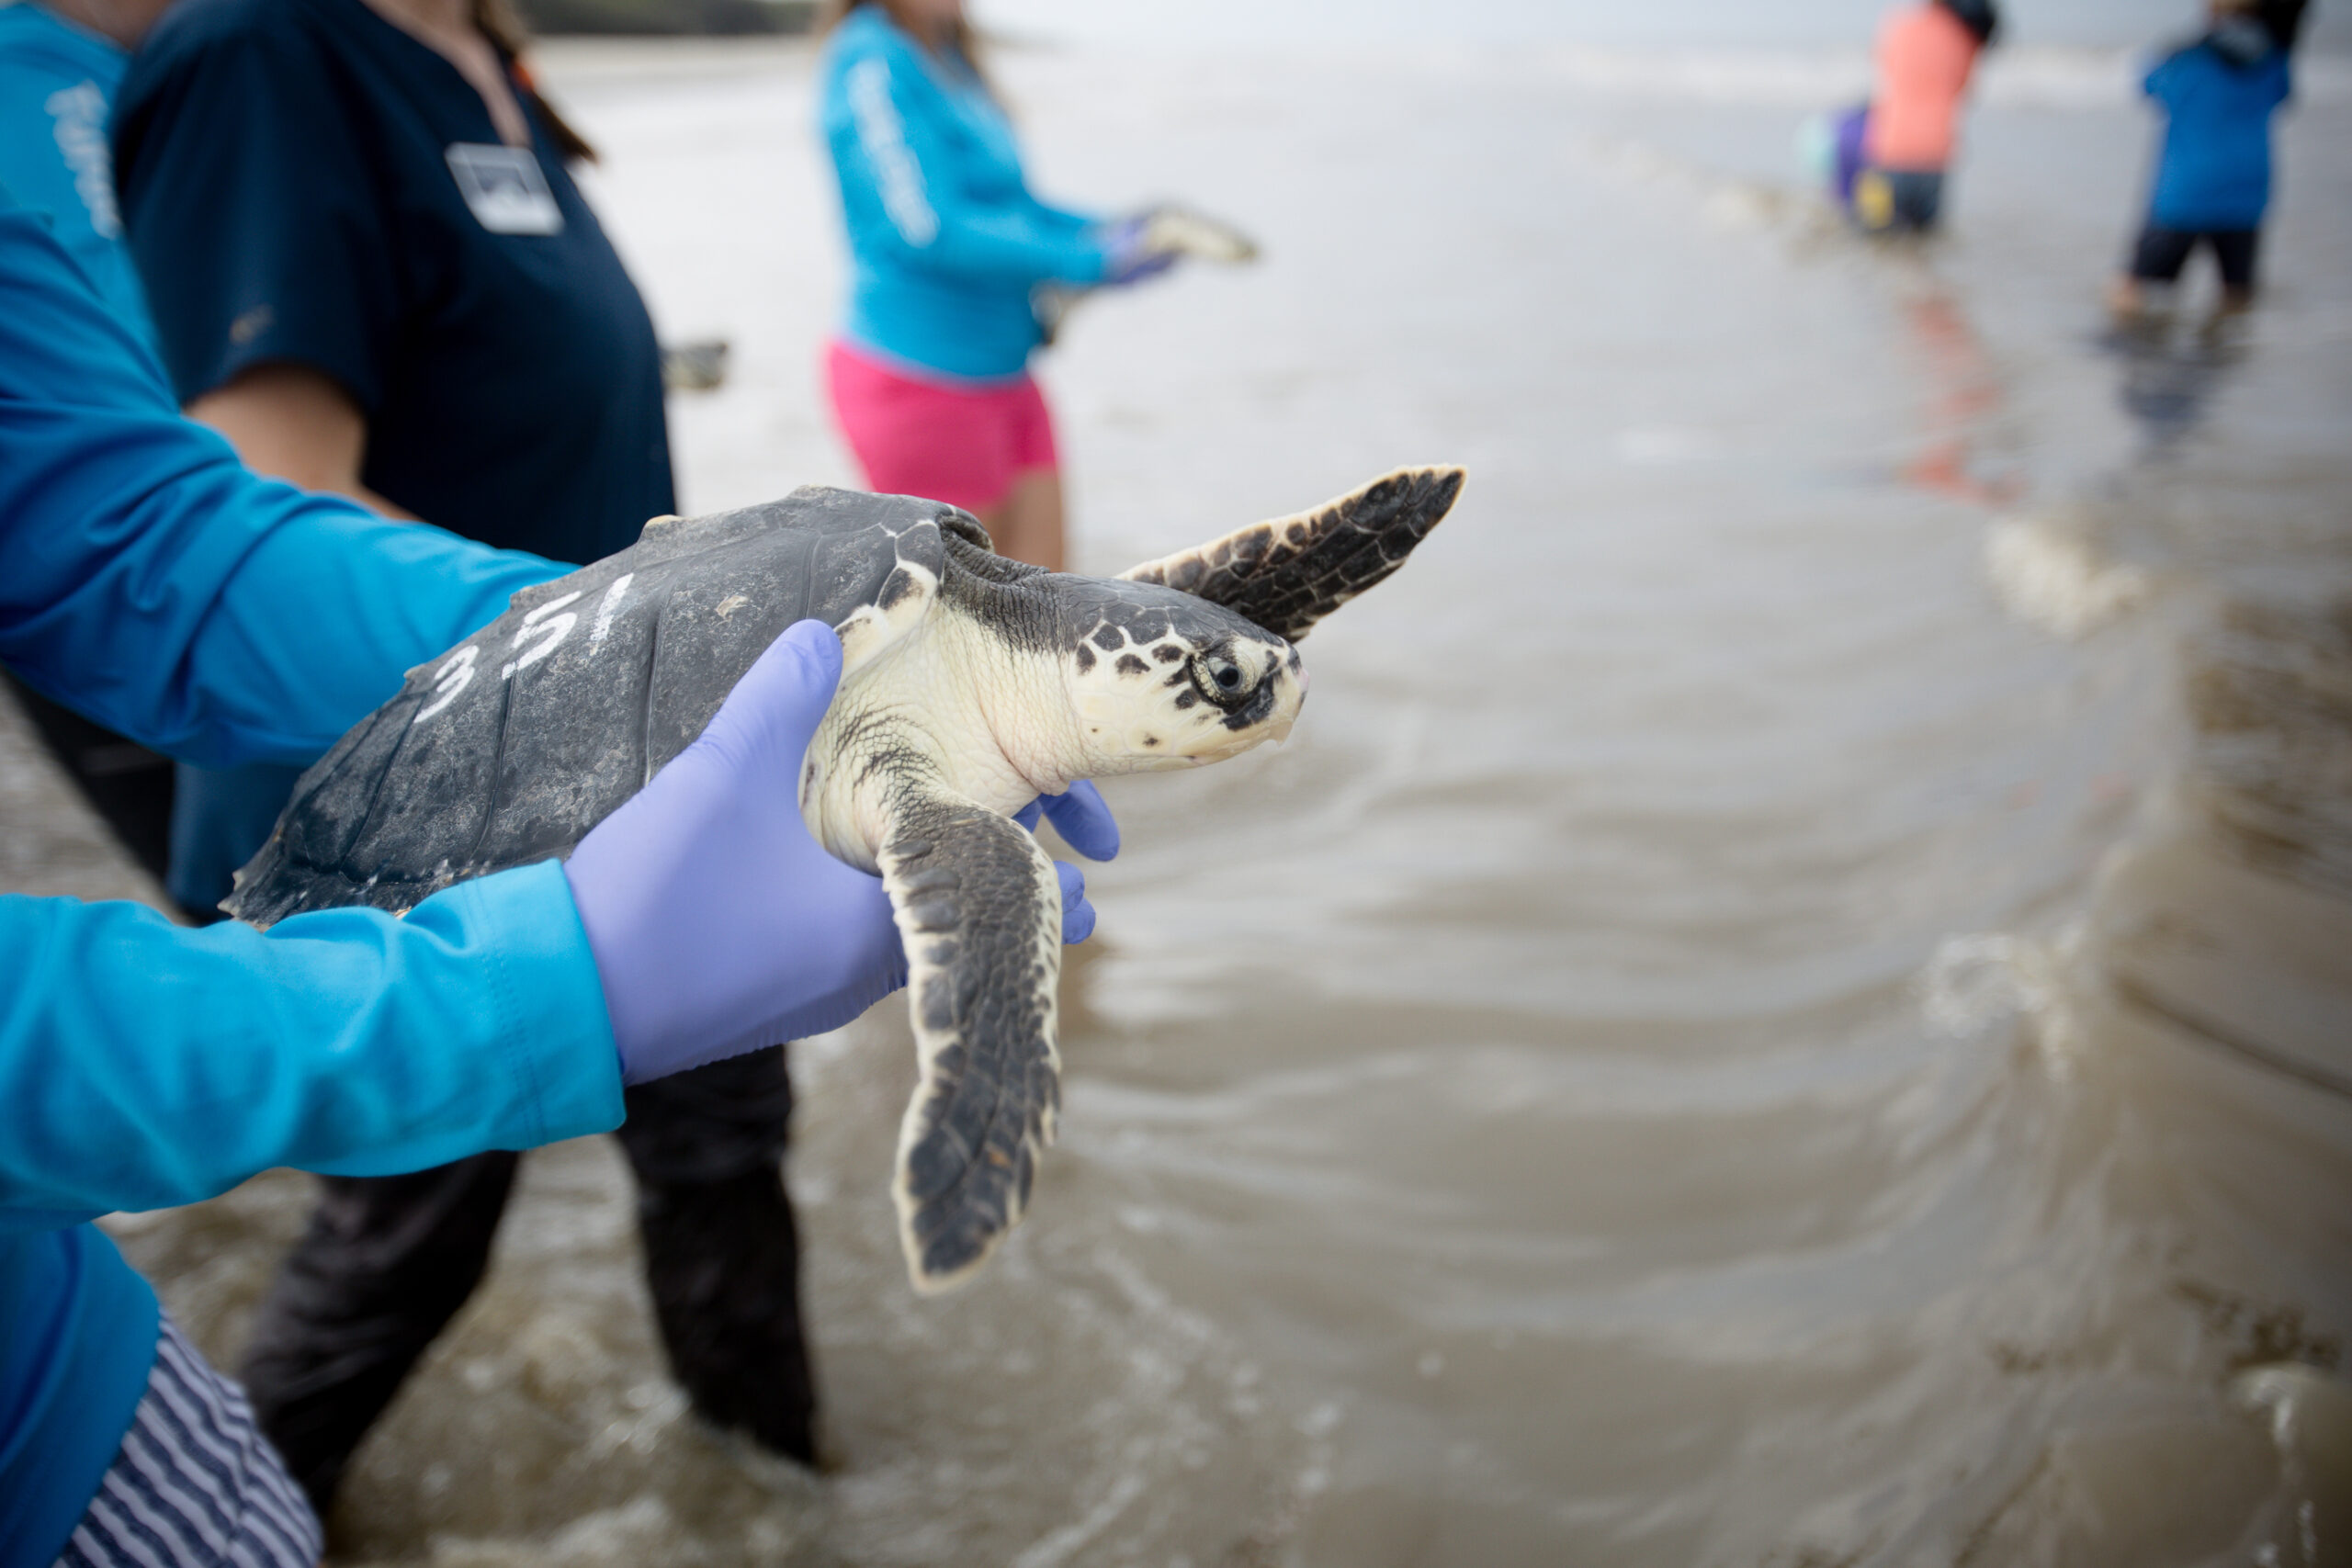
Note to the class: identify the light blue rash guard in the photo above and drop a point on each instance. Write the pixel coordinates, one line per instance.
(150, 581)
(57, 87)
(945, 239)
(2214, 173)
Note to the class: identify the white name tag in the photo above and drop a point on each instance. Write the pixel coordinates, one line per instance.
(505, 187)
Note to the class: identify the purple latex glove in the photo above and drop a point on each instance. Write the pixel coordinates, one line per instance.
(717, 924)
(1079, 815)
(1086, 825)
(1125, 258)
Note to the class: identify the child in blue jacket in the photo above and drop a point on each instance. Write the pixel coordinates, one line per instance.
(2213, 176)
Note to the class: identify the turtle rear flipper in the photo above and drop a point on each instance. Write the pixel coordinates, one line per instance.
(1290, 572)
(979, 909)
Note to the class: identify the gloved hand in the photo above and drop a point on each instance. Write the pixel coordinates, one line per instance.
(717, 924)
(1086, 826)
(1128, 257)
(1080, 817)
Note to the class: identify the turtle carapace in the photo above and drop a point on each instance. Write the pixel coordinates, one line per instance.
(970, 684)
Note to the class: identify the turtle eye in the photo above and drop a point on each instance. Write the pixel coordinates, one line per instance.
(1219, 678)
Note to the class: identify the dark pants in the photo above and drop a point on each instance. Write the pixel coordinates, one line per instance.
(2160, 253)
(1899, 201)
(388, 1260)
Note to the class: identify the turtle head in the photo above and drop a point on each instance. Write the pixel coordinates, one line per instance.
(1159, 679)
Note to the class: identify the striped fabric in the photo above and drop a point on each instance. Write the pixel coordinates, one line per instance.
(196, 1486)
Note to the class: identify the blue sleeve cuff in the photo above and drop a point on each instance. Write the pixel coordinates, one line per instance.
(553, 1034)
(145, 1065)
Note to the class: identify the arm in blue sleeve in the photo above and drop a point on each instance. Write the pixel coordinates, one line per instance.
(144, 1064)
(146, 578)
(150, 581)
(898, 179)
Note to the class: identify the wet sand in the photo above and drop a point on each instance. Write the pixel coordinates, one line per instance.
(1787, 1003)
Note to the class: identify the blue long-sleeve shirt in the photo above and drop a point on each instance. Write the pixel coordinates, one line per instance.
(945, 239)
(57, 87)
(2214, 171)
(149, 580)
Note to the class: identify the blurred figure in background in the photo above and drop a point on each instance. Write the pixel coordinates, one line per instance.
(930, 376)
(1926, 53)
(2217, 93)
(368, 267)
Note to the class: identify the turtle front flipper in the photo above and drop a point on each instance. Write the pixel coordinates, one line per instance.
(1290, 572)
(980, 909)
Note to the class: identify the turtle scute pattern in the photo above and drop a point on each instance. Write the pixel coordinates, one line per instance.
(980, 912)
(507, 749)
(1290, 572)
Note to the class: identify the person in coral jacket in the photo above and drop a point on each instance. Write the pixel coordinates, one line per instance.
(1926, 54)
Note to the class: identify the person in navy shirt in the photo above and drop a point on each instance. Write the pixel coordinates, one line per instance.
(370, 268)
(178, 598)
(317, 195)
(2212, 180)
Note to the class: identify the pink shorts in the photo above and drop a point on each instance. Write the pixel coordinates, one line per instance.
(942, 442)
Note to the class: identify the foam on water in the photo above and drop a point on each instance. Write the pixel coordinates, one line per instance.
(2047, 573)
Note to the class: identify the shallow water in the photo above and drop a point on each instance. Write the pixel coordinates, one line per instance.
(1790, 1002)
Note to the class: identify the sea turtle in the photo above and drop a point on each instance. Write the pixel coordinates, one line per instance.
(970, 683)
(1178, 230)
(1165, 231)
